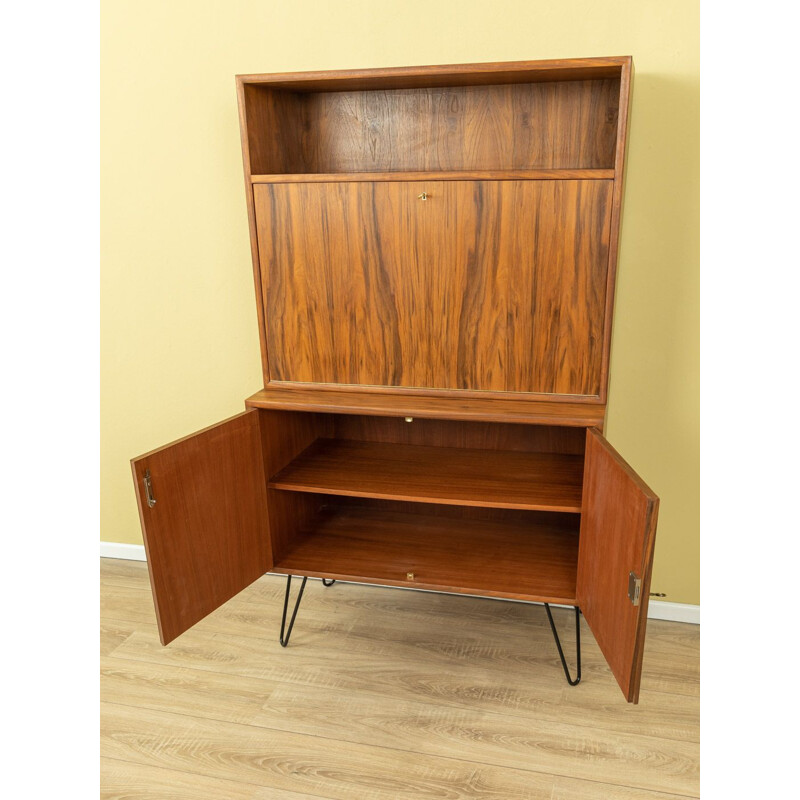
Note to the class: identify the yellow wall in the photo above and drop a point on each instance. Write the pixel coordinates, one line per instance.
(179, 335)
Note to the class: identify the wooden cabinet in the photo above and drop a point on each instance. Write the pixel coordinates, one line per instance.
(434, 252)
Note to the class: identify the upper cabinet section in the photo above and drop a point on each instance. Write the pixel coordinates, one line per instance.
(487, 118)
(513, 127)
(442, 231)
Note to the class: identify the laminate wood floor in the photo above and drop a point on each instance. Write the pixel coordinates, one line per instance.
(383, 694)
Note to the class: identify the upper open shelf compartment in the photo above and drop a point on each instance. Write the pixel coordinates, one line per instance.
(444, 475)
(537, 116)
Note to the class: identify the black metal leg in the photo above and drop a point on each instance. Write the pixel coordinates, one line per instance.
(326, 582)
(284, 633)
(570, 681)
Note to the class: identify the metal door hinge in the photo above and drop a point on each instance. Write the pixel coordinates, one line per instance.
(634, 588)
(148, 489)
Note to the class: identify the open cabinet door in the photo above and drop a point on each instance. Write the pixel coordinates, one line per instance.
(203, 507)
(615, 558)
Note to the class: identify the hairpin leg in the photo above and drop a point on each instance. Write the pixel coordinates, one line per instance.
(570, 681)
(284, 633)
(326, 582)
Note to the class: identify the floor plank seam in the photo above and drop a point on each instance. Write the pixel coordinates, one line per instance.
(516, 714)
(692, 680)
(204, 775)
(457, 759)
(263, 637)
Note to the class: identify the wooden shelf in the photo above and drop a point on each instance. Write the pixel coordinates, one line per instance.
(447, 475)
(446, 406)
(527, 559)
(444, 175)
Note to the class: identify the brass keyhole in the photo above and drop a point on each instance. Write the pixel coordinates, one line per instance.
(423, 196)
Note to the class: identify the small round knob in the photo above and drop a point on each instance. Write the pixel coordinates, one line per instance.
(423, 196)
(410, 576)
(409, 419)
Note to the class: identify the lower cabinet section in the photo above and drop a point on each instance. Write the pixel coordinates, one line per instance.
(531, 512)
(516, 554)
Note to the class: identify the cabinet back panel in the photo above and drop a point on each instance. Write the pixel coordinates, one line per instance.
(455, 433)
(484, 286)
(557, 520)
(559, 125)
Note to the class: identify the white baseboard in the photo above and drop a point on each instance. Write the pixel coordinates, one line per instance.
(674, 612)
(658, 609)
(129, 552)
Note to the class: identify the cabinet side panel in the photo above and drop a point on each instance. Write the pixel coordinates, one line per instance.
(290, 513)
(274, 130)
(284, 435)
(620, 159)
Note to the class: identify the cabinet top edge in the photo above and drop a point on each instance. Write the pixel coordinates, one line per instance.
(444, 74)
(529, 412)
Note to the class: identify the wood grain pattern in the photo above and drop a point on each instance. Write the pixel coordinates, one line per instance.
(206, 537)
(390, 721)
(451, 681)
(504, 741)
(486, 286)
(555, 308)
(288, 511)
(451, 476)
(618, 528)
(246, 113)
(284, 435)
(416, 405)
(126, 780)
(560, 125)
(272, 119)
(459, 433)
(113, 634)
(527, 560)
(491, 638)
(428, 628)
(553, 519)
(285, 760)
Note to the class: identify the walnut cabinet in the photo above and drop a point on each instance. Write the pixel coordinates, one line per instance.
(434, 251)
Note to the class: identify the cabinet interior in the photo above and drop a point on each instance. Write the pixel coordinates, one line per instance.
(472, 507)
(562, 124)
